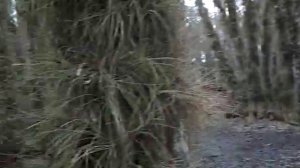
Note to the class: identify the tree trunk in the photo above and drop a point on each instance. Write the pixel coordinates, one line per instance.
(23, 40)
(226, 72)
(294, 34)
(286, 81)
(266, 51)
(297, 82)
(3, 27)
(235, 34)
(251, 27)
(7, 94)
(5, 59)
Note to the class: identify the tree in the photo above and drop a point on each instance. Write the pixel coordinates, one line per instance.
(226, 71)
(235, 34)
(7, 93)
(294, 33)
(253, 79)
(285, 56)
(266, 51)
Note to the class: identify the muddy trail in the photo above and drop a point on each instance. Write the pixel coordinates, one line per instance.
(233, 143)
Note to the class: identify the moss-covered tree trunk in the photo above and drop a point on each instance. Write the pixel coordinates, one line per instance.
(297, 82)
(4, 58)
(235, 37)
(285, 57)
(266, 49)
(8, 123)
(23, 39)
(5, 62)
(253, 89)
(226, 71)
(294, 27)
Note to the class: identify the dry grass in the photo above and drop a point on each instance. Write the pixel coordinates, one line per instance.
(113, 101)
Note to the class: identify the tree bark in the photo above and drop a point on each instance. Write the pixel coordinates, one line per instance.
(266, 51)
(235, 33)
(294, 34)
(5, 57)
(7, 94)
(23, 40)
(4, 26)
(226, 71)
(251, 27)
(286, 79)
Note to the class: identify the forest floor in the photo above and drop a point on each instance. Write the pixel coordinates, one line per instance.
(234, 143)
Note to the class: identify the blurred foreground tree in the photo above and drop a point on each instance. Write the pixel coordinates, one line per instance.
(101, 81)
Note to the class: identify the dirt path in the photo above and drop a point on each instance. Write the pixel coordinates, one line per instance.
(235, 144)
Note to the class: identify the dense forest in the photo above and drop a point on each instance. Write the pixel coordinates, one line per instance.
(252, 48)
(110, 83)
